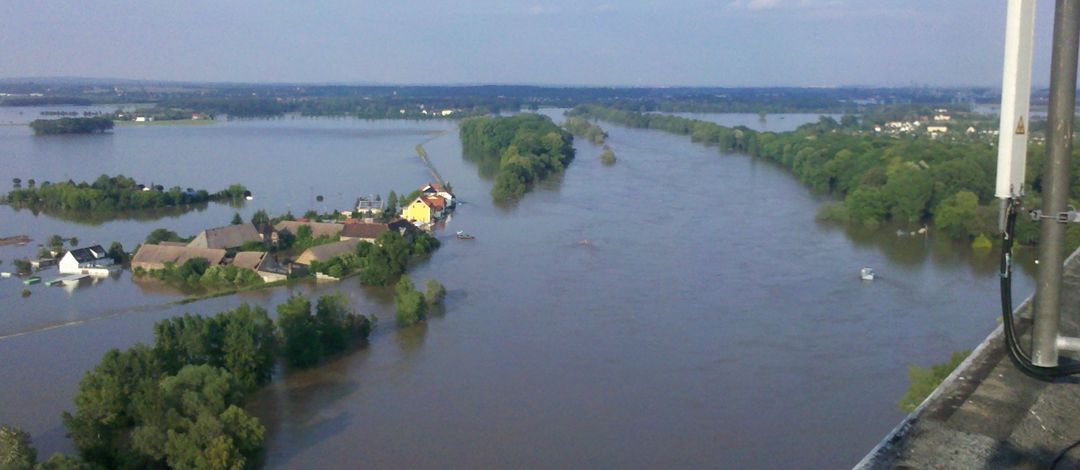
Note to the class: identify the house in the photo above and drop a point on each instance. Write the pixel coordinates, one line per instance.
(151, 257)
(318, 229)
(227, 237)
(327, 251)
(436, 189)
(424, 209)
(370, 205)
(89, 260)
(262, 263)
(369, 231)
(934, 130)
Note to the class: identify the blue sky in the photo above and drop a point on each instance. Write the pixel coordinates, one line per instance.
(551, 42)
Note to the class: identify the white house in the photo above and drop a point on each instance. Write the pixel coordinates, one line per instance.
(89, 260)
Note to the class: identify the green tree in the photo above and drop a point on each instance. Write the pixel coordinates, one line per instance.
(956, 214)
(301, 335)
(409, 303)
(331, 322)
(236, 219)
(908, 190)
(391, 203)
(117, 253)
(260, 219)
(867, 205)
(16, 449)
(434, 292)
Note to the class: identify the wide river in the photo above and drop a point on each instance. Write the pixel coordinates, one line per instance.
(681, 308)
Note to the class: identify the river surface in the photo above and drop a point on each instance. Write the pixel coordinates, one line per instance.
(680, 308)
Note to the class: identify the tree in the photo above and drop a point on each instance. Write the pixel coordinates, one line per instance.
(118, 255)
(608, 156)
(300, 333)
(434, 292)
(908, 191)
(236, 219)
(73, 241)
(956, 214)
(159, 235)
(260, 219)
(867, 205)
(409, 304)
(16, 449)
(391, 203)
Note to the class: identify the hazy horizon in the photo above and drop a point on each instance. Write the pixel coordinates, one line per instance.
(559, 43)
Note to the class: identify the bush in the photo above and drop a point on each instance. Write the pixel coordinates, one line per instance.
(409, 304)
(925, 380)
(434, 292)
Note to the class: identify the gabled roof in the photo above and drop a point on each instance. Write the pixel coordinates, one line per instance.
(229, 236)
(434, 202)
(436, 187)
(248, 259)
(161, 254)
(318, 229)
(327, 251)
(89, 254)
(365, 230)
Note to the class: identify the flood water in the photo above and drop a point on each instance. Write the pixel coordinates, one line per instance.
(680, 308)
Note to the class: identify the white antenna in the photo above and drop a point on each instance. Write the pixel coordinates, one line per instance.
(1015, 99)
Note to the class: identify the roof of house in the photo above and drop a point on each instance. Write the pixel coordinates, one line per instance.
(364, 230)
(327, 251)
(248, 259)
(434, 202)
(88, 254)
(172, 243)
(176, 254)
(318, 229)
(229, 236)
(435, 186)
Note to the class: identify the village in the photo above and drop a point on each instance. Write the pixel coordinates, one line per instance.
(273, 250)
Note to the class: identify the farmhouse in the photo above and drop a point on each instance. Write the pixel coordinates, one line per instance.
(92, 259)
(227, 237)
(151, 257)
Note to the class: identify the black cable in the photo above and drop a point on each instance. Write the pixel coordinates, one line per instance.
(1061, 455)
(1016, 352)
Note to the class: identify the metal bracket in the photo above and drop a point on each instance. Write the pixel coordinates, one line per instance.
(1062, 217)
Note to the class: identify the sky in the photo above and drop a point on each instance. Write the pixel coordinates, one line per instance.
(806, 43)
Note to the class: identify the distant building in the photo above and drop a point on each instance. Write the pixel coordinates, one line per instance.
(262, 263)
(935, 130)
(152, 257)
(369, 231)
(424, 209)
(318, 229)
(436, 189)
(227, 237)
(84, 260)
(370, 204)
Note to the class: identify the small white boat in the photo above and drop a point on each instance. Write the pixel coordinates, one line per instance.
(866, 274)
(464, 236)
(5, 274)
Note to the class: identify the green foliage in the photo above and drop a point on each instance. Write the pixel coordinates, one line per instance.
(582, 127)
(309, 338)
(236, 219)
(607, 157)
(518, 151)
(434, 292)
(115, 193)
(197, 272)
(71, 125)
(16, 449)
(409, 304)
(260, 219)
(299, 332)
(925, 380)
(23, 266)
(117, 253)
(164, 235)
(956, 214)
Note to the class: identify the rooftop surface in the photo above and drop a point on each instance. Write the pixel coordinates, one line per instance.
(988, 414)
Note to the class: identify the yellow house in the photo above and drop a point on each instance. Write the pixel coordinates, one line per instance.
(424, 209)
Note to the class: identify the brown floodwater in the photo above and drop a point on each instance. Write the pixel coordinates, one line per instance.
(680, 308)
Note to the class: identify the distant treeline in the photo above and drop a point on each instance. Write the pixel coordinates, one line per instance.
(908, 180)
(116, 193)
(68, 125)
(518, 151)
(45, 101)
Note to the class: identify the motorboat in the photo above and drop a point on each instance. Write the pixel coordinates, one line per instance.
(464, 236)
(866, 274)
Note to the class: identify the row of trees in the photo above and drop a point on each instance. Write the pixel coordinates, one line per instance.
(380, 262)
(518, 151)
(179, 402)
(113, 193)
(198, 274)
(582, 127)
(67, 125)
(906, 180)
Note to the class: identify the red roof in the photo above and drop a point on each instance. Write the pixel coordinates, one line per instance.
(434, 202)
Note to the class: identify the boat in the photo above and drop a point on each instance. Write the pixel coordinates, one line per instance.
(866, 274)
(32, 280)
(5, 274)
(464, 236)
